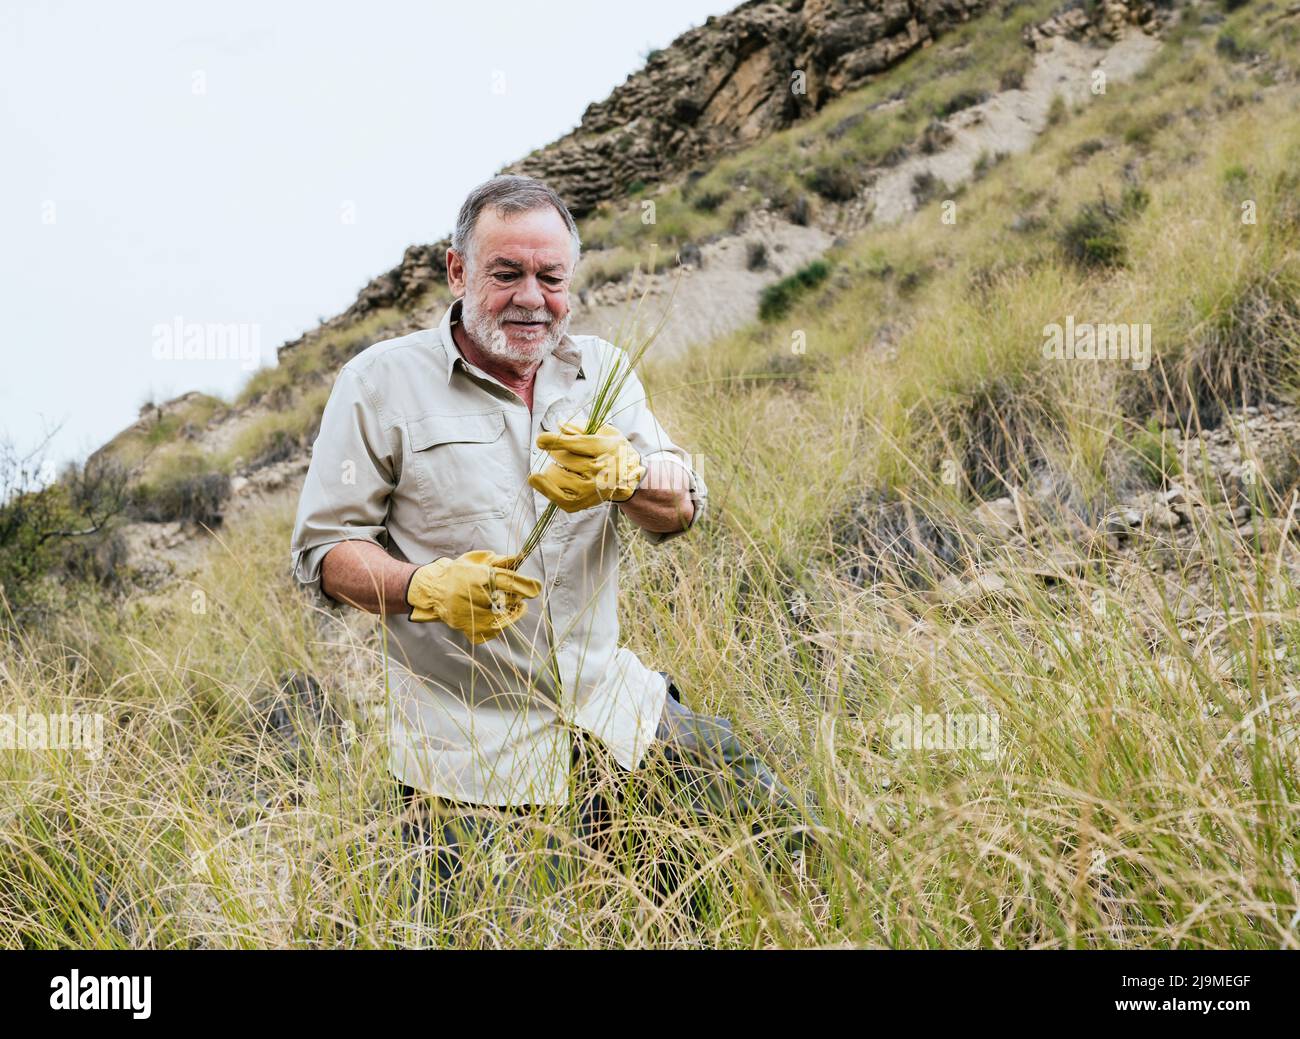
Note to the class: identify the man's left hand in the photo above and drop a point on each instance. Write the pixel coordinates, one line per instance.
(587, 468)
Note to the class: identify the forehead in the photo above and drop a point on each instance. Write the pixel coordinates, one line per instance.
(537, 237)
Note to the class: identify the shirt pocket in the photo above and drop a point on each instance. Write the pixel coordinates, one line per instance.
(460, 466)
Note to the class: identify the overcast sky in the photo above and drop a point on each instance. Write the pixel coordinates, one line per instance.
(253, 164)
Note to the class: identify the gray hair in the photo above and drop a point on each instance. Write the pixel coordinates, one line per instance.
(508, 194)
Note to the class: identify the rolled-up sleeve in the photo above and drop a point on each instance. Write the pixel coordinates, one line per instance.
(632, 415)
(354, 467)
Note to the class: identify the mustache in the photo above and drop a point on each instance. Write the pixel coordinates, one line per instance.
(521, 314)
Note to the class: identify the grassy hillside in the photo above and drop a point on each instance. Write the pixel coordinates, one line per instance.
(1144, 791)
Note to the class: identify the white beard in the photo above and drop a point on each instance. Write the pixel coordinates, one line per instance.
(489, 336)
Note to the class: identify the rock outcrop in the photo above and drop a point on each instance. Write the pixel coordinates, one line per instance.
(735, 79)
(1105, 21)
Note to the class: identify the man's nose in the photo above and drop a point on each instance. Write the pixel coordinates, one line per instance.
(529, 295)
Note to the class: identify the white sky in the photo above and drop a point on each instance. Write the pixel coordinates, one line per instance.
(129, 197)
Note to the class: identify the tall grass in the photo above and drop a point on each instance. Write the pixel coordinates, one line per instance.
(1145, 793)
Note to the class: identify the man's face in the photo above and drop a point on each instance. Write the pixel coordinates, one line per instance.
(516, 285)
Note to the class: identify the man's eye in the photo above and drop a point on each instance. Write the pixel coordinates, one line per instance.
(504, 276)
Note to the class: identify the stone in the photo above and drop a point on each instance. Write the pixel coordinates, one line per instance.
(1163, 517)
(1057, 565)
(998, 516)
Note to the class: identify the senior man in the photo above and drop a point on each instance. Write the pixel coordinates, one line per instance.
(437, 453)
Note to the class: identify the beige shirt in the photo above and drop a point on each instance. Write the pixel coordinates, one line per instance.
(426, 455)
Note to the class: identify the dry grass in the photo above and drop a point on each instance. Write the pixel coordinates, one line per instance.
(1145, 789)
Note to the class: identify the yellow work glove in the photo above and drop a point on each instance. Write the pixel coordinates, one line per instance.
(473, 593)
(588, 468)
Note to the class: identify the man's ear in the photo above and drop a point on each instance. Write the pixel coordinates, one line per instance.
(456, 280)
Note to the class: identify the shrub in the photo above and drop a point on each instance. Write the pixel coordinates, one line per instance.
(1093, 238)
(1229, 45)
(926, 186)
(186, 489)
(1141, 132)
(845, 125)
(1235, 175)
(960, 100)
(1085, 150)
(835, 183)
(64, 525)
(777, 299)
(708, 201)
(935, 137)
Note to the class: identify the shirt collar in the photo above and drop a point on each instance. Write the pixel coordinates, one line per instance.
(566, 350)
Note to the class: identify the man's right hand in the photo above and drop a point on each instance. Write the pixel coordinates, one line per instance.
(474, 593)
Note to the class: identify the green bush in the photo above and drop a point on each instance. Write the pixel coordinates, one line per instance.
(960, 100)
(777, 299)
(1231, 46)
(835, 182)
(63, 528)
(1093, 238)
(708, 201)
(1235, 175)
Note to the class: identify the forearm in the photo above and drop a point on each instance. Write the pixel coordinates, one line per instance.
(363, 575)
(663, 501)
